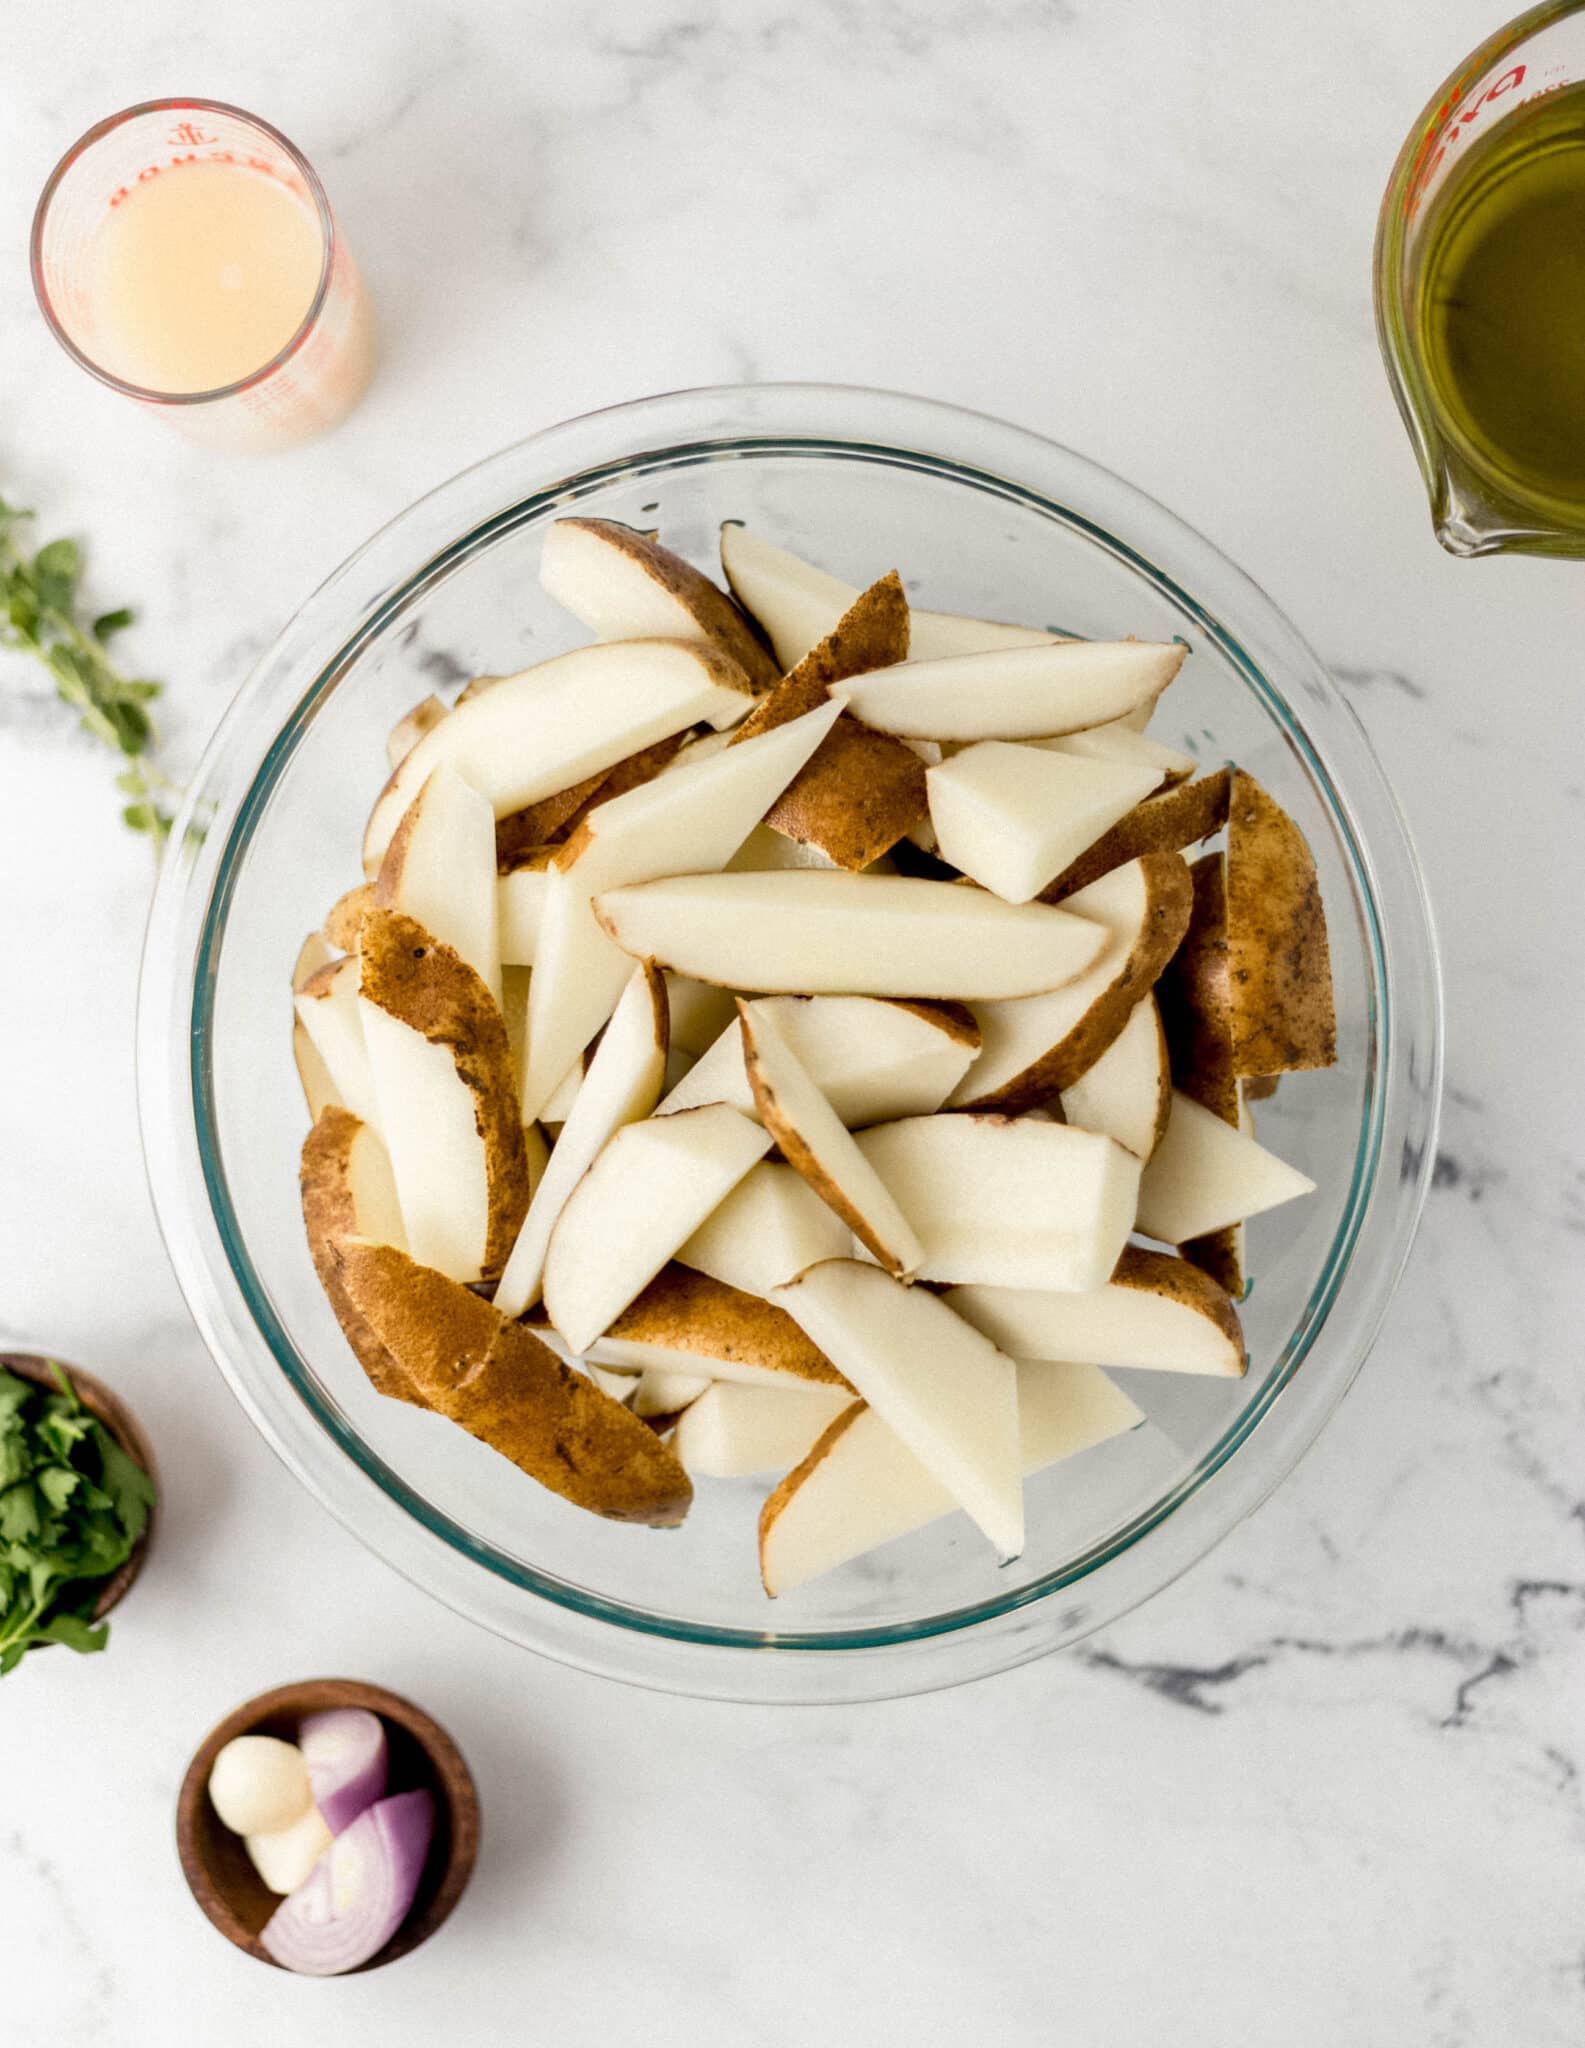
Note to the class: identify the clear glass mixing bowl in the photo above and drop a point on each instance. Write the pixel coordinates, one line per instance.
(980, 517)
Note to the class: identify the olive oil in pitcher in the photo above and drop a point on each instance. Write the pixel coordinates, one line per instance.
(1500, 305)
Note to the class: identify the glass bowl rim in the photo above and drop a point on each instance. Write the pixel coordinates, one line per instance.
(522, 509)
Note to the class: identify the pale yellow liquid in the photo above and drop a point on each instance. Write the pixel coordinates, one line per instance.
(201, 276)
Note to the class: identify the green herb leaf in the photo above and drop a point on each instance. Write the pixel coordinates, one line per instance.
(108, 623)
(75, 1632)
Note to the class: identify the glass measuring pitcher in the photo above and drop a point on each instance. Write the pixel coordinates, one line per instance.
(1480, 251)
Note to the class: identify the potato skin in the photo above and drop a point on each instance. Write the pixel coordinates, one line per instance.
(496, 1380)
(1196, 998)
(1280, 967)
(1180, 1280)
(409, 974)
(688, 1311)
(329, 1216)
(1164, 823)
(719, 618)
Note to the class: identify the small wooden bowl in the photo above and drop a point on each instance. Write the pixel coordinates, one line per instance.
(217, 1867)
(124, 1426)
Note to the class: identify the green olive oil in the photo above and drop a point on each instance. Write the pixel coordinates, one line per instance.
(1501, 304)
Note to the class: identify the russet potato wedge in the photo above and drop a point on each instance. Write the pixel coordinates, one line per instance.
(817, 1145)
(319, 1090)
(411, 727)
(447, 1099)
(348, 1192)
(1279, 966)
(647, 1193)
(622, 1085)
(547, 728)
(1120, 742)
(440, 870)
(1033, 1048)
(770, 1227)
(872, 633)
(687, 1322)
(1205, 1174)
(1195, 993)
(1008, 1201)
(1126, 1094)
(811, 932)
(1155, 1314)
(941, 1386)
(861, 1486)
(500, 1383)
(1010, 817)
(732, 1431)
(1016, 693)
(328, 1010)
(661, 1397)
(623, 585)
(1164, 823)
(520, 906)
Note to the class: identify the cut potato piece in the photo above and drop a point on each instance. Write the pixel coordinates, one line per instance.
(1016, 693)
(769, 1228)
(439, 870)
(1011, 817)
(501, 1384)
(660, 1394)
(799, 605)
(523, 833)
(1009, 1202)
(520, 907)
(647, 1193)
(1156, 1314)
(327, 1009)
(348, 1191)
(630, 774)
(411, 727)
(872, 633)
(551, 726)
(447, 1094)
(1221, 1253)
(319, 1090)
(814, 933)
(765, 849)
(815, 1143)
(1279, 964)
(1165, 823)
(1205, 1175)
(945, 1390)
(732, 1432)
(699, 1013)
(622, 1085)
(1033, 1048)
(344, 918)
(1194, 992)
(1119, 742)
(693, 821)
(623, 585)
(687, 1322)
(873, 1058)
(1127, 1093)
(558, 1107)
(315, 952)
(861, 1486)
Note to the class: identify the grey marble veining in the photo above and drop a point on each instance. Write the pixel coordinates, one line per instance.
(1328, 1788)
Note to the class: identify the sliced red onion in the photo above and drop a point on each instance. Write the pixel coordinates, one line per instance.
(345, 1752)
(360, 1890)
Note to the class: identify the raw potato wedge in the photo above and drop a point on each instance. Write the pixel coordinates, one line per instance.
(732, 1432)
(551, 726)
(691, 821)
(874, 1058)
(1155, 1314)
(520, 907)
(811, 932)
(815, 1143)
(521, 833)
(315, 952)
(1195, 993)
(860, 1486)
(1119, 742)
(440, 870)
(422, 1006)
(798, 605)
(770, 1227)
(687, 1322)
(319, 1090)
(1032, 1049)
(1205, 1175)
(1016, 693)
(646, 1194)
(328, 1010)
(1010, 817)
(621, 1086)
(1220, 1253)
(1127, 1093)
(411, 727)
(1008, 1201)
(660, 1397)
(863, 790)
(946, 1391)
(623, 585)
(344, 918)
(347, 1191)
(1279, 965)
(1161, 824)
(501, 1384)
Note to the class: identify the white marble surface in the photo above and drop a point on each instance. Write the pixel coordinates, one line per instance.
(1327, 1789)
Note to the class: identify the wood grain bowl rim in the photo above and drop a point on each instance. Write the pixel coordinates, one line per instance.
(109, 1408)
(449, 1778)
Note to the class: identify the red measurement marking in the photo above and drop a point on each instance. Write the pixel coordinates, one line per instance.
(185, 133)
(1447, 132)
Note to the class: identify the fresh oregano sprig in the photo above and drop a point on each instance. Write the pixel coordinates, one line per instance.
(39, 616)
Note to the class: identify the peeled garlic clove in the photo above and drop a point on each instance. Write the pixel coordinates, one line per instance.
(259, 1785)
(285, 1858)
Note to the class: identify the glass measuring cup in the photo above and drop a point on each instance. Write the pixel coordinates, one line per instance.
(1475, 509)
(300, 384)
